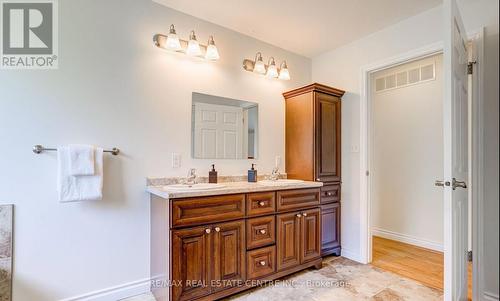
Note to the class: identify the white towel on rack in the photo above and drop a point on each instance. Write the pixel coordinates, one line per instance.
(81, 160)
(79, 188)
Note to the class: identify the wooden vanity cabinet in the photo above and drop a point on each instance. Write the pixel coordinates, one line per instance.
(313, 150)
(249, 240)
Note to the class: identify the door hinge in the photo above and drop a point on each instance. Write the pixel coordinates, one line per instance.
(470, 67)
(469, 256)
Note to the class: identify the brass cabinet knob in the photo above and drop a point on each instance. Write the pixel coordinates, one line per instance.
(304, 214)
(208, 230)
(263, 231)
(299, 215)
(330, 194)
(262, 203)
(318, 179)
(262, 263)
(217, 229)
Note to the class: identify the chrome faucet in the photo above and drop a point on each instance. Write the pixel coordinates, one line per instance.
(275, 174)
(191, 177)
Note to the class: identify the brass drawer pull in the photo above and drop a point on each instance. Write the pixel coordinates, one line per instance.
(263, 231)
(262, 203)
(208, 230)
(217, 229)
(299, 215)
(304, 214)
(262, 263)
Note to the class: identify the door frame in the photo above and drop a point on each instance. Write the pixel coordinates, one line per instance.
(477, 37)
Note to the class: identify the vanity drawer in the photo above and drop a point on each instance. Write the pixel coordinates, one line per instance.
(297, 199)
(330, 193)
(261, 203)
(260, 231)
(204, 210)
(261, 262)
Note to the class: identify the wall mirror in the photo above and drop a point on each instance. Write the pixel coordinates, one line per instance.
(223, 128)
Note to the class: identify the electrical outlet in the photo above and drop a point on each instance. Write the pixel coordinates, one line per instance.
(176, 160)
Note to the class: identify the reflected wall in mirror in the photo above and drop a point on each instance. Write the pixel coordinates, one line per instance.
(223, 128)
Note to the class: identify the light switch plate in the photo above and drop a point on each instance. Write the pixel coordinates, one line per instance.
(176, 160)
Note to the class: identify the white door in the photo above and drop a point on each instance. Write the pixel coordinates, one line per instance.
(455, 108)
(218, 131)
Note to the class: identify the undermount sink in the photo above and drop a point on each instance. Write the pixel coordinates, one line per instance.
(280, 182)
(194, 187)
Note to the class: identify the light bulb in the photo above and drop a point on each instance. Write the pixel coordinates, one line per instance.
(212, 52)
(193, 48)
(173, 42)
(259, 66)
(272, 71)
(284, 74)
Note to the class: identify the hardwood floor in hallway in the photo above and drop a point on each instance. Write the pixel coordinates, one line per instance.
(420, 264)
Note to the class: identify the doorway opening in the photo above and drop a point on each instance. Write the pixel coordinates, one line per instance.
(475, 159)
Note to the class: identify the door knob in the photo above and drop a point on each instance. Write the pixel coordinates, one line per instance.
(460, 184)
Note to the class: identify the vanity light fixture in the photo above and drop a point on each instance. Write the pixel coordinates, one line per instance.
(284, 74)
(259, 66)
(191, 47)
(270, 70)
(212, 52)
(173, 40)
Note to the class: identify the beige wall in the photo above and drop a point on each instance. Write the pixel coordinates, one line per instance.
(114, 88)
(407, 156)
(341, 68)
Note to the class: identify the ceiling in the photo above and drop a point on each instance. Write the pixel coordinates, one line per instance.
(306, 27)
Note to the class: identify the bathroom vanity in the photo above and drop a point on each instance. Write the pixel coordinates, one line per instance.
(208, 244)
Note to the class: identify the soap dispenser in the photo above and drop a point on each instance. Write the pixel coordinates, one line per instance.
(252, 174)
(212, 175)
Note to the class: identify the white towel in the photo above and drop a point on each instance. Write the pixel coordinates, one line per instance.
(78, 188)
(81, 160)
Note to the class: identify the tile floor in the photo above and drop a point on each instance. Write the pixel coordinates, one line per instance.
(342, 279)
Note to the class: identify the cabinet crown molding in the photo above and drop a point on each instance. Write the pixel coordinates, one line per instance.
(314, 87)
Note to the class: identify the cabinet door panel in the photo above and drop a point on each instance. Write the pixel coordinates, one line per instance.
(229, 254)
(310, 235)
(327, 109)
(190, 256)
(288, 245)
(330, 229)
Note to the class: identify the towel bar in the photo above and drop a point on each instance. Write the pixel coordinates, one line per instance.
(37, 149)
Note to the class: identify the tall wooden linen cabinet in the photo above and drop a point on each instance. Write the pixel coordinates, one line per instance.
(313, 151)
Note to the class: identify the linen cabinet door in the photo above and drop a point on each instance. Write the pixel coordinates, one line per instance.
(191, 249)
(330, 229)
(327, 110)
(288, 244)
(310, 236)
(229, 266)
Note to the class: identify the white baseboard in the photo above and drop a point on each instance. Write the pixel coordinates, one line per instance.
(412, 240)
(350, 255)
(490, 296)
(116, 292)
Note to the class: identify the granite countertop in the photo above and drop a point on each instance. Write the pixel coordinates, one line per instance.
(229, 188)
